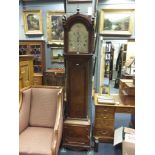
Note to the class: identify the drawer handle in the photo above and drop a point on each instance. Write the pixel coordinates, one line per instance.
(77, 64)
(104, 117)
(105, 110)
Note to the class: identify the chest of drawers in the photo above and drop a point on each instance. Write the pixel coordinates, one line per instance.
(104, 123)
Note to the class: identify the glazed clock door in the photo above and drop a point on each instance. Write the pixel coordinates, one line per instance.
(78, 39)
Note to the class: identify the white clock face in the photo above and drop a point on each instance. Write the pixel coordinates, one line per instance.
(78, 39)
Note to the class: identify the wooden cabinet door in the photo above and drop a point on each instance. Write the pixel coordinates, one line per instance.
(26, 73)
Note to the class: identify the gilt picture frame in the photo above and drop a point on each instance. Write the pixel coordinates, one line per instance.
(55, 32)
(116, 21)
(57, 55)
(32, 22)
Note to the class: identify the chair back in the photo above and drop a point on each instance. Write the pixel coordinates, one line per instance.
(43, 106)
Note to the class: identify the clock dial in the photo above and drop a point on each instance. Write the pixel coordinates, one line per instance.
(78, 39)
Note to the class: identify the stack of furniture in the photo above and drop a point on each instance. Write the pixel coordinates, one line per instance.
(36, 48)
(127, 91)
(127, 76)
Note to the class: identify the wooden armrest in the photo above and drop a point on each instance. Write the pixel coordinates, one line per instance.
(58, 122)
(54, 145)
(59, 109)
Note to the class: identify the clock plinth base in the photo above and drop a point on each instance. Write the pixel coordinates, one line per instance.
(76, 134)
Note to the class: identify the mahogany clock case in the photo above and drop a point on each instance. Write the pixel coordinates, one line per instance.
(78, 67)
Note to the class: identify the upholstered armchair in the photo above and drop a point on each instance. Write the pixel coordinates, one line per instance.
(40, 120)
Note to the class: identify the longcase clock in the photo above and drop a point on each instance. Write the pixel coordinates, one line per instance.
(78, 52)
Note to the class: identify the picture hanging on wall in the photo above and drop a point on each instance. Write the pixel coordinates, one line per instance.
(116, 21)
(55, 32)
(32, 22)
(57, 55)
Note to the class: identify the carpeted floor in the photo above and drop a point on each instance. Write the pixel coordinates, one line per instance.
(103, 149)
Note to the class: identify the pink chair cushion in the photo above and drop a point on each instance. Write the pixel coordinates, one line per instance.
(35, 141)
(43, 107)
(25, 110)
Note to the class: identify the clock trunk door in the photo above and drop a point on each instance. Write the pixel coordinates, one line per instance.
(77, 87)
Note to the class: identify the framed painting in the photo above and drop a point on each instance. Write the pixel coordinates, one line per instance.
(57, 55)
(32, 22)
(116, 22)
(55, 32)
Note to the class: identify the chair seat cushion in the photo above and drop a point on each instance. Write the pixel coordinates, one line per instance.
(35, 141)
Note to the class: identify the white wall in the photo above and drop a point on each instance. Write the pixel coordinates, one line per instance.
(131, 49)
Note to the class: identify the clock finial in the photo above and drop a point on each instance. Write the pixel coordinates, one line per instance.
(78, 10)
(93, 18)
(64, 19)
